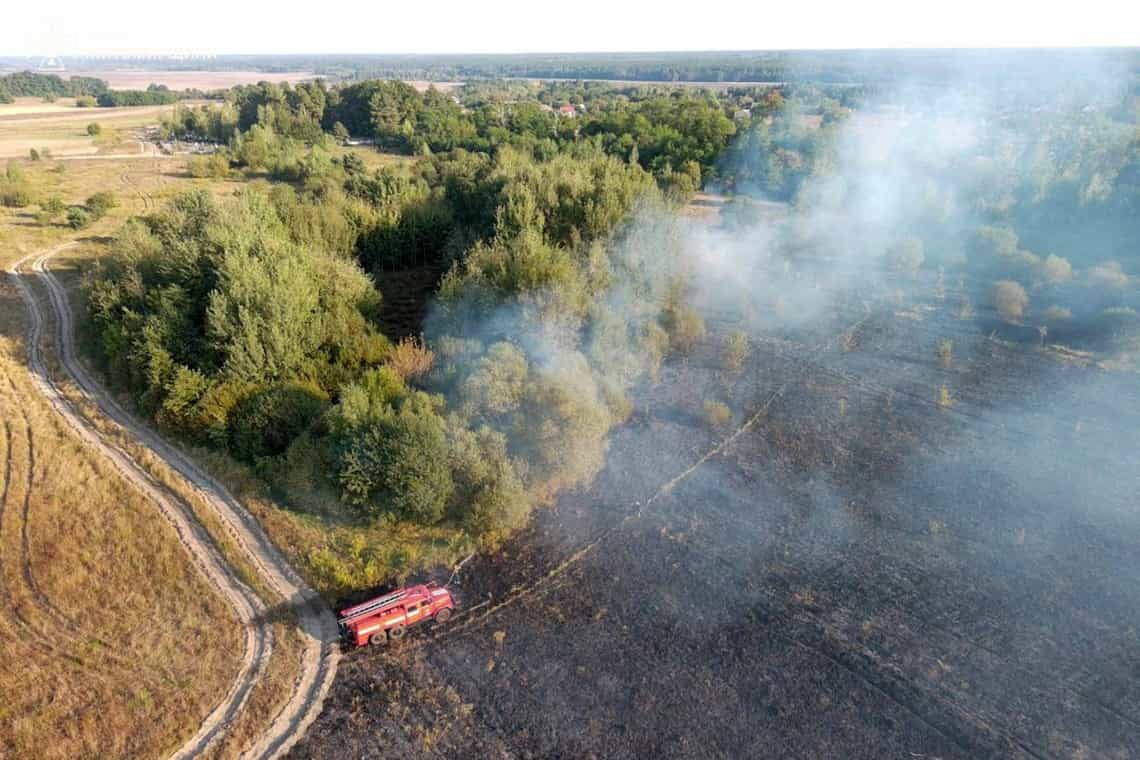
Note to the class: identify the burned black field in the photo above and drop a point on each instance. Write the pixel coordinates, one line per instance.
(868, 568)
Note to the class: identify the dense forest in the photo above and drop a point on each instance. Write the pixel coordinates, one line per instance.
(251, 324)
(25, 84)
(154, 95)
(679, 137)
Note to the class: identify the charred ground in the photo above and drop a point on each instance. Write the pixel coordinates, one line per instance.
(865, 572)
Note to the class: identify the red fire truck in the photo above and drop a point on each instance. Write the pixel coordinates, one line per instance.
(388, 617)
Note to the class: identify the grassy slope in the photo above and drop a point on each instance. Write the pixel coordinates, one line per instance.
(113, 643)
(127, 553)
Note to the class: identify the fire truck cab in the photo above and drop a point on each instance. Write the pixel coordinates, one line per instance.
(388, 617)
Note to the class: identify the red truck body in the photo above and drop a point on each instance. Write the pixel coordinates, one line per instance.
(386, 618)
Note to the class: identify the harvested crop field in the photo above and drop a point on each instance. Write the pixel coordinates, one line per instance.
(62, 128)
(140, 79)
(866, 568)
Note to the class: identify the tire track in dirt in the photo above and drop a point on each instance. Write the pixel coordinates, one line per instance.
(59, 625)
(37, 638)
(38, 596)
(125, 178)
(194, 538)
(317, 624)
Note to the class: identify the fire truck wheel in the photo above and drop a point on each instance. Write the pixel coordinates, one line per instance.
(378, 639)
(397, 633)
(443, 615)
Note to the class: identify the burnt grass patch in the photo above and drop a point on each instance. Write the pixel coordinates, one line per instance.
(866, 571)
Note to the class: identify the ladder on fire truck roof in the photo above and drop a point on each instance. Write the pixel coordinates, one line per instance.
(375, 605)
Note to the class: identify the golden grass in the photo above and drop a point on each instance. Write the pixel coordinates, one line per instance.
(156, 648)
(113, 645)
(62, 127)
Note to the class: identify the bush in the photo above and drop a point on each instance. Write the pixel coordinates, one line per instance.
(410, 359)
(78, 218)
(94, 129)
(716, 413)
(489, 497)
(945, 353)
(265, 423)
(1010, 300)
(213, 166)
(1055, 269)
(496, 384)
(15, 194)
(85, 101)
(100, 203)
(34, 154)
(906, 255)
(735, 351)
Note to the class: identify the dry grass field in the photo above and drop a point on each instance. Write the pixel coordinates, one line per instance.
(113, 643)
(61, 128)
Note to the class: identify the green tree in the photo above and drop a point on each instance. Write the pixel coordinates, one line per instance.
(398, 462)
(266, 422)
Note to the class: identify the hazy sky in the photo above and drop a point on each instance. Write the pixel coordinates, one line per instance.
(28, 27)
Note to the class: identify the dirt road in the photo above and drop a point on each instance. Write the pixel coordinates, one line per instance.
(317, 625)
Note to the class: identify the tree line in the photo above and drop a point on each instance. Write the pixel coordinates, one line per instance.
(24, 84)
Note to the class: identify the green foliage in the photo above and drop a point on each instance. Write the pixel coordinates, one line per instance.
(495, 385)
(265, 423)
(945, 353)
(213, 166)
(100, 203)
(684, 326)
(94, 129)
(687, 133)
(561, 426)
(1010, 300)
(15, 189)
(488, 497)
(79, 218)
(50, 209)
(25, 84)
(396, 460)
(241, 292)
(154, 96)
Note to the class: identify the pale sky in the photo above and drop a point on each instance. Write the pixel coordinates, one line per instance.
(62, 27)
